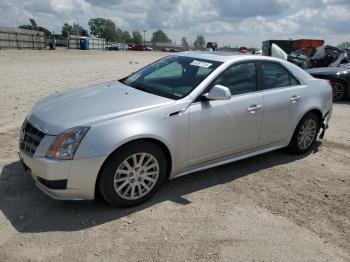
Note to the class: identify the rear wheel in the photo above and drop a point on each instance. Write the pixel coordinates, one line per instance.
(133, 174)
(305, 134)
(339, 90)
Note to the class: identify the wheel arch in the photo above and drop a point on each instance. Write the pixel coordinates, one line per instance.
(316, 111)
(161, 144)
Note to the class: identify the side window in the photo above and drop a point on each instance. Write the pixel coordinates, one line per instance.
(240, 79)
(294, 81)
(277, 76)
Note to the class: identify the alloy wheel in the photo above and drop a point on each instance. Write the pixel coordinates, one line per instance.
(136, 176)
(307, 134)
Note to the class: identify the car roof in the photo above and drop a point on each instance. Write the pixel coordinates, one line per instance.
(231, 57)
(225, 56)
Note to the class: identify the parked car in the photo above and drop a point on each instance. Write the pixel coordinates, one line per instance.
(328, 56)
(181, 114)
(347, 65)
(139, 47)
(324, 56)
(243, 49)
(339, 77)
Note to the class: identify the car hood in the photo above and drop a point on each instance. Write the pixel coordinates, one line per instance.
(93, 104)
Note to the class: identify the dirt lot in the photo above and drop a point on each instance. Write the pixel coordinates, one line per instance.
(274, 207)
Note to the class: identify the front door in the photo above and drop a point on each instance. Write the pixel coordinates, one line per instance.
(222, 128)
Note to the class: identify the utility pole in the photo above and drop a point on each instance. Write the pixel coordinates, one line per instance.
(144, 38)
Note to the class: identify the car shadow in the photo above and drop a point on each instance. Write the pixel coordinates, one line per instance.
(29, 210)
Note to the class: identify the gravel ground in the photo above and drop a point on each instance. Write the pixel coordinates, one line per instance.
(273, 207)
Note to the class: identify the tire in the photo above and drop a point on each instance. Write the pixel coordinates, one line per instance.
(305, 134)
(339, 90)
(126, 183)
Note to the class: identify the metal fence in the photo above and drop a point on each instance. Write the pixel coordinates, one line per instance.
(94, 43)
(11, 37)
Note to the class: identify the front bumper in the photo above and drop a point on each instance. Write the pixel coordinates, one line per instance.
(64, 179)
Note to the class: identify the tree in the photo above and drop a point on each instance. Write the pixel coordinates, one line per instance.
(105, 28)
(137, 37)
(79, 30)
(184, 42)
(199, 42)
(344, 45)
(74, 29)
(126, 37)
(47, 33)
(67, 30)
(160, 37)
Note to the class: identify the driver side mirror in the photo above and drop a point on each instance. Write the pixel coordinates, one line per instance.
(218, 92)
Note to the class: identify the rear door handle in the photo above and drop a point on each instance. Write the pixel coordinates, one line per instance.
(253, 108)
(295, 99)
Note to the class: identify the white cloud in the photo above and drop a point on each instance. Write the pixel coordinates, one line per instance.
(237, 22)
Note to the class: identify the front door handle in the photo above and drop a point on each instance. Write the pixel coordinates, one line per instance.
(294, 99)
(253, 108)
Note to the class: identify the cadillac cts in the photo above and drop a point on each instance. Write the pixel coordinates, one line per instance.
(180, 114)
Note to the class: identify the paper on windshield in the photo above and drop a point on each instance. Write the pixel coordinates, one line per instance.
(200, 63)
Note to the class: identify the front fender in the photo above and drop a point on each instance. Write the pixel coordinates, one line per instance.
(105, 138)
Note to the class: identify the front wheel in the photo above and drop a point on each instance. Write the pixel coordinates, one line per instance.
(133, 174)
(305, 134)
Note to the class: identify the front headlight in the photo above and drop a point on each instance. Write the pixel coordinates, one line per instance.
(67, 143)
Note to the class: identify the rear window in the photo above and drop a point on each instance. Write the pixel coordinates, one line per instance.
(276, 76)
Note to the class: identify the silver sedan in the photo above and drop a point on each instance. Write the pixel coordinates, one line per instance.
(180, 114)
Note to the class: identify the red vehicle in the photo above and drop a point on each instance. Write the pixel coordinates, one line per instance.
(139, 47)
(243, 49)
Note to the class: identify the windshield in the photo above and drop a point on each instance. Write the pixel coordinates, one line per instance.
(172, 77)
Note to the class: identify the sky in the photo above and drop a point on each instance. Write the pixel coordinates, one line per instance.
(227, 22)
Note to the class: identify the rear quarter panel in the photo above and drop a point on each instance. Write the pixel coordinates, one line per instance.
(319, 96)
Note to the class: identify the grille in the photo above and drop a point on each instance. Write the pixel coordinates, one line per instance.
(30, 138)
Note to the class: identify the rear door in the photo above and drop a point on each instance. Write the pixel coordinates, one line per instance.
(283, 97)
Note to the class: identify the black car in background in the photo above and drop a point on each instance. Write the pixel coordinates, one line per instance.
(339, 78)
(324, 56)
